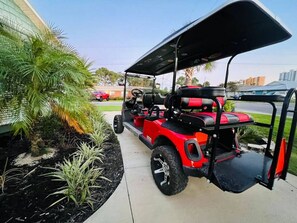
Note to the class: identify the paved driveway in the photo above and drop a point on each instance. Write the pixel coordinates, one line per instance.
(138, 200)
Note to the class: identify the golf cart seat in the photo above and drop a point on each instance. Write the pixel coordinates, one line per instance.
(203, 98)
(151, 99)
(208, 119)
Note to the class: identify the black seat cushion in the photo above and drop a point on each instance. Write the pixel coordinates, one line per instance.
(207, 119)
(200, 92)
(147, 100)
(150, 99)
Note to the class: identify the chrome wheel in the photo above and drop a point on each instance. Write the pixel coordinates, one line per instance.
(167, 170)
(163, 171)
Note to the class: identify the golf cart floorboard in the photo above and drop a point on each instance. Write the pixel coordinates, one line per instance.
(240, 173)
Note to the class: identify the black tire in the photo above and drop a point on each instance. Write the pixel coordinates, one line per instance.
(100, 99)
(107, 99)
(167, 170)
(118, 126)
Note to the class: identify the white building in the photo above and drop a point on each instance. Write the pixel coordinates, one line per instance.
(288, 76)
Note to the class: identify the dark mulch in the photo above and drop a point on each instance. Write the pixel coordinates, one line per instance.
(28, 201)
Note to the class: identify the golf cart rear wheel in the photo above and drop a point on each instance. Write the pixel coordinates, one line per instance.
(118, 126)
(167, 170)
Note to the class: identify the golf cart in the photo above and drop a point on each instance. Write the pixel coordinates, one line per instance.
(188, 130)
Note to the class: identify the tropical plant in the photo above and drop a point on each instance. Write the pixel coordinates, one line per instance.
(232, 86)
(181, 80)
(13, 174)
(206, 84)
(195, 81)
(189, 72)
(39, 76)
(80, 178)
(88, 152)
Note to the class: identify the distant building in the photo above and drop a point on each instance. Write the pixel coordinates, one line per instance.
(275, 87)
(254, 81)
(288, 76)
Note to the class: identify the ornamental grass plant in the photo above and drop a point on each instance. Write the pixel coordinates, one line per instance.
(13, 174)
(98, 134)
(88, 152)
(81, 172)
(80, 178)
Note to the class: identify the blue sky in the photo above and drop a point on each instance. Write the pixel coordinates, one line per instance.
(115, 33)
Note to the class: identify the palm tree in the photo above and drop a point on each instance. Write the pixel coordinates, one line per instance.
(40, 76)
(189, 72)
(181, 80)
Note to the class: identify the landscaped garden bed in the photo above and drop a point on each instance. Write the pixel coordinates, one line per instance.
(72, 161)
(27, 199)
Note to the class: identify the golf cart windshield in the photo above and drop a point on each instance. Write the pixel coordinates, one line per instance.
(236, 27)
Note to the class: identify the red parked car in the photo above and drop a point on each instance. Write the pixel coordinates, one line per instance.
(100, 95)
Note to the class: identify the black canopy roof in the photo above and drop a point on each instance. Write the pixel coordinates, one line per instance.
(236, 27)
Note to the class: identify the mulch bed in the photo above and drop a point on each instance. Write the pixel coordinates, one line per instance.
(28, 200)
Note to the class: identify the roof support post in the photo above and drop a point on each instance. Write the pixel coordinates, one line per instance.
(125, 85)
(175, 64)
(227, 71)
(154, 85)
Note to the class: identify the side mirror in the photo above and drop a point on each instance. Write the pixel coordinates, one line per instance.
(121, 82)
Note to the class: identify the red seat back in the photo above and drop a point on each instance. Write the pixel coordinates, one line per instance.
(200, 102)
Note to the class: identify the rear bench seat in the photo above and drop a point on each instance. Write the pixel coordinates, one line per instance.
(202, 98)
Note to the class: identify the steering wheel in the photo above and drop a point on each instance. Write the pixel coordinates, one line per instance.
(136, 92)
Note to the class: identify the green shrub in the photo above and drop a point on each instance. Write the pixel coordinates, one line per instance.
(50, 127)
(117, 98)
(249, 134)
(229, 106)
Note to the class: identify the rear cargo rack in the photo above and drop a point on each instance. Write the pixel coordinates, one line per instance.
(242, 172)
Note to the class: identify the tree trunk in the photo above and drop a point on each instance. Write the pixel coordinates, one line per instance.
(189, 72)
(37, 143)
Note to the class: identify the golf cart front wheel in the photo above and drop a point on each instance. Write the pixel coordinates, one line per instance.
(118, 126)
(167, 170)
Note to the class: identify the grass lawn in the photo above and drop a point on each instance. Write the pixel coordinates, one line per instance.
(110, 108)
(266, 119)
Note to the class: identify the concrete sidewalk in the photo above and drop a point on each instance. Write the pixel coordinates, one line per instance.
(138, 200)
